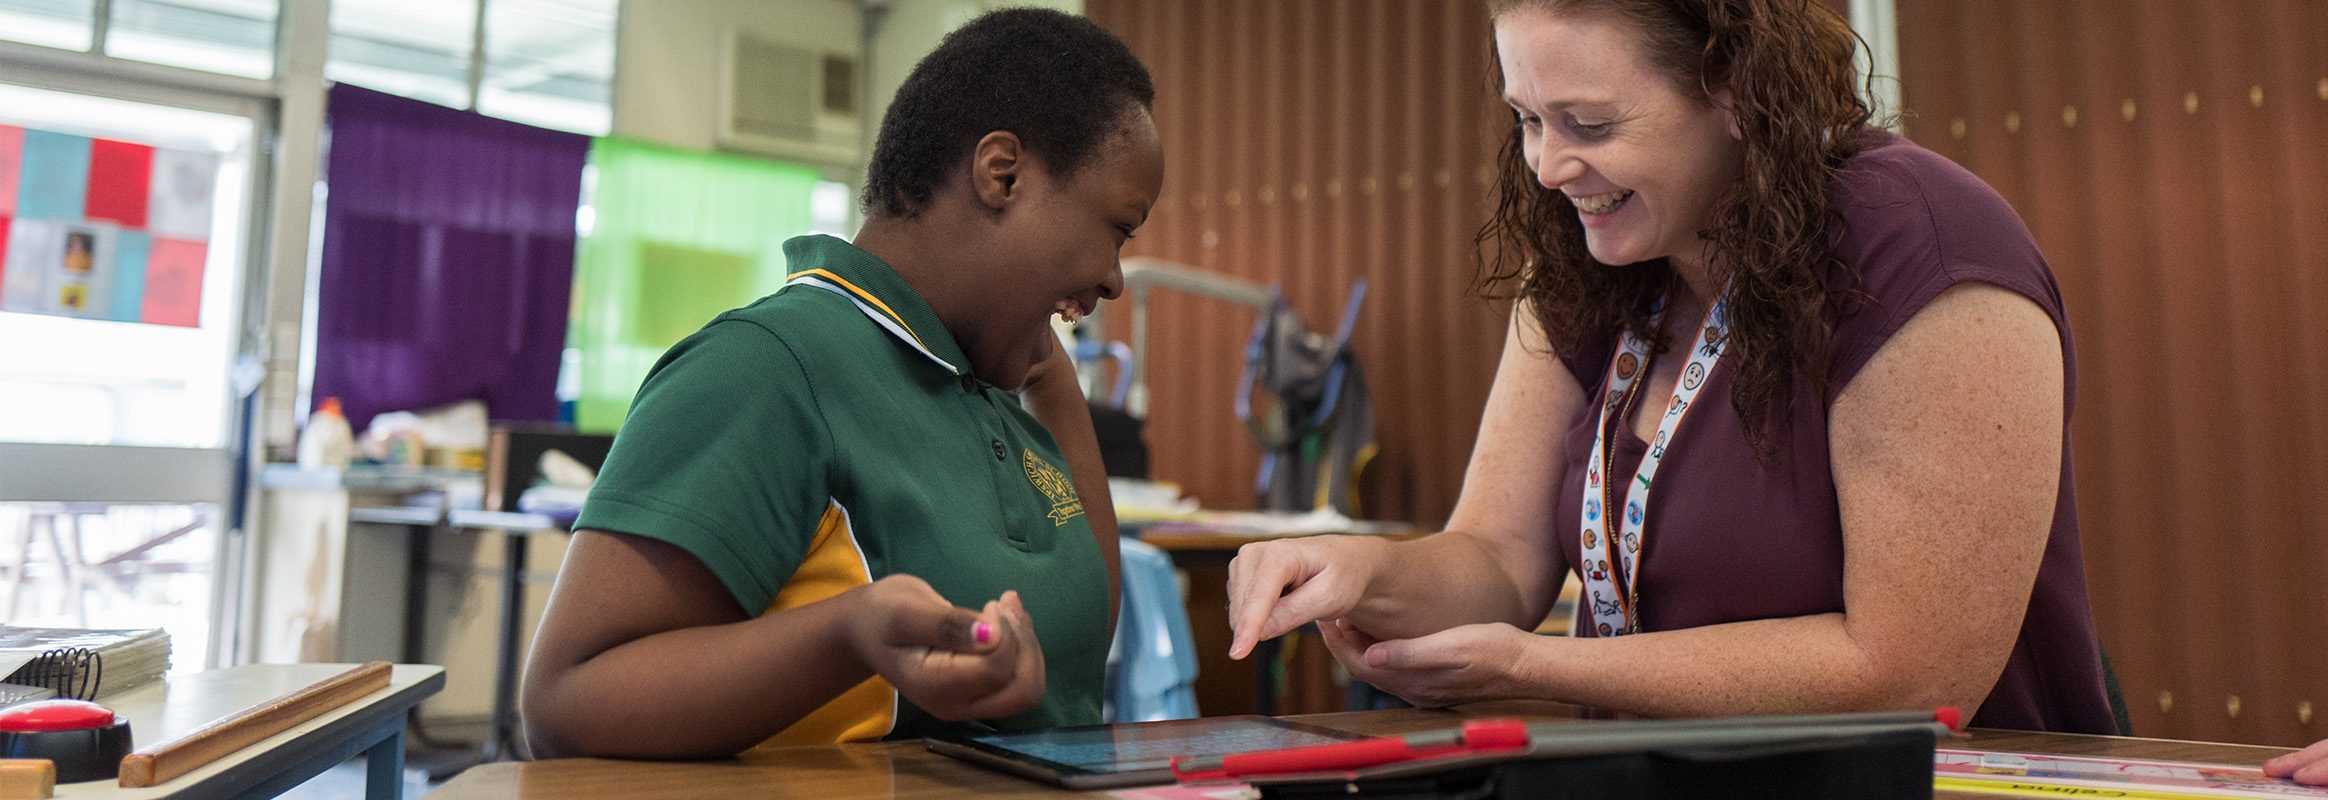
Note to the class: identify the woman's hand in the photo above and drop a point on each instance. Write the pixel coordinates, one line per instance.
(1463, 664)
(2309, 765)
(1277, 586)
(952, 662)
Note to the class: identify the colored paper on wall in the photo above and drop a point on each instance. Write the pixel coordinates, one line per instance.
(11, 162)
(179, 205)
(31, 243)
(54, 183)
(173, 283)
(103, 229)
(62, 268)
(120, 175)
(80, 280)
(130, 252)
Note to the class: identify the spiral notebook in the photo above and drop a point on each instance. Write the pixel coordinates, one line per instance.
(83, 663)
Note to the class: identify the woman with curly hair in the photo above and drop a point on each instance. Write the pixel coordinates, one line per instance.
(1787, 393)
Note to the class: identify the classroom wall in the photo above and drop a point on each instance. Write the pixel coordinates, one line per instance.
(668, 57)
(1309, 143)
(2169, 157)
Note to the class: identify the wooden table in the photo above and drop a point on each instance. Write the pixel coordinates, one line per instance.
(371, 726)
(906, 770)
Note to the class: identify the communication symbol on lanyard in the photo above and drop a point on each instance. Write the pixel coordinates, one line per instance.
(1611, 614)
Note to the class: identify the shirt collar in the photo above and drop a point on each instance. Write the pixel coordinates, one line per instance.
(836, 266)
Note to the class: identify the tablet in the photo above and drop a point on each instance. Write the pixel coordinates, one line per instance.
(1128, 754)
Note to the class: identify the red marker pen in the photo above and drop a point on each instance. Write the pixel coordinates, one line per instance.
(1476, 736)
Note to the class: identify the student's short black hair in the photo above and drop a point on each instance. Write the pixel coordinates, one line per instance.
(1058, 81)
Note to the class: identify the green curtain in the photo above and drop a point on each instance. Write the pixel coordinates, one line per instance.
(679, 237)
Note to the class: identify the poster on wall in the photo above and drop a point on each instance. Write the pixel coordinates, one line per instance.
(103, 229)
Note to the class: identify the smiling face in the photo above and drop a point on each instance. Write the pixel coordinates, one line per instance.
(1642, 162)
(1060, 242)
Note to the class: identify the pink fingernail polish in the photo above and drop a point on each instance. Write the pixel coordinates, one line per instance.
(983, 631)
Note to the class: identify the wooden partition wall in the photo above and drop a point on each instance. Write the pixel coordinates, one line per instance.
(1309, 143)
(2172, 158)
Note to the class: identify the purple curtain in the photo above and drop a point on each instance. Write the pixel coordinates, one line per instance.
(448, 258)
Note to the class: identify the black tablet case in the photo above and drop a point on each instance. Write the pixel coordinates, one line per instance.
(1884, 766)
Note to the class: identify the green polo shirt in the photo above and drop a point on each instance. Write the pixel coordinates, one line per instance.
(831, 434)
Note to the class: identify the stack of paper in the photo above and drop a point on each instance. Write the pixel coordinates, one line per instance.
(81, 662)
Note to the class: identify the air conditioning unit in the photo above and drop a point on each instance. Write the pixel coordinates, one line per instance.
(790, 102)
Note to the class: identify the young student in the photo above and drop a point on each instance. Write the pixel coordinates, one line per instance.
(828, 516)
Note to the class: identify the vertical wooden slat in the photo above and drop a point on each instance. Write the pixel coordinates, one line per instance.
(1362, 105)
(2191, 255)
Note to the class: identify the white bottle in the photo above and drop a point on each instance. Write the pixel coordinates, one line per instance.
(328, 442)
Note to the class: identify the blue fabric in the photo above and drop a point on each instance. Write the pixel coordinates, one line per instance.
(1154, 678)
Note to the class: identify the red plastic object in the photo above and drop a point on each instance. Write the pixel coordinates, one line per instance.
(55, 715)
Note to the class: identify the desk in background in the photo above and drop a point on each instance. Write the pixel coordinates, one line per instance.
(344, 560)
(422, 525)
(1203, 549)
(907, 770)
(371, 726)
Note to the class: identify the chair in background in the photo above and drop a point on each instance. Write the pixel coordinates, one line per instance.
(1152, 669)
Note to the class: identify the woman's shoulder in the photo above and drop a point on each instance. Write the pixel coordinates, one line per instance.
(1913, 224)
(1903, 205)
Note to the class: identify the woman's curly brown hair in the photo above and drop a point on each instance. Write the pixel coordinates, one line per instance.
(1788, 66)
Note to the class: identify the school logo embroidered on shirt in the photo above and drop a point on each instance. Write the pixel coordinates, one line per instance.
(1054, 485)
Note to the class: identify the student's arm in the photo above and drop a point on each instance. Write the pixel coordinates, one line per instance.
(657, 642)
(1493, 564)
(1053, 396)
(642, 654)
(1947, 459)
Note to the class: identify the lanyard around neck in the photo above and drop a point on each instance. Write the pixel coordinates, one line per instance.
(1613, 608)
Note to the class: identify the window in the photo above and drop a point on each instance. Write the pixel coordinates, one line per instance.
(416, 48)
(546, 62)
(141, 377)
(230, 37)
(69, 24)
(549, 63)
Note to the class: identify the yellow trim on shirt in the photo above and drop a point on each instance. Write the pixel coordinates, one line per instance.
(867, 297)
(867, 711)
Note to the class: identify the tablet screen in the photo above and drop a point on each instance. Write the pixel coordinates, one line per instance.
(1135, 752)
